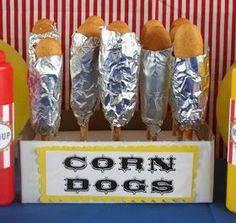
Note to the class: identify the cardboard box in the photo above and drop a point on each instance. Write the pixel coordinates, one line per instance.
(66, 170)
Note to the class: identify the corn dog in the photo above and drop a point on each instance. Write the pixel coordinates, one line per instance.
(155, 38)
(96, 20)
(187, 43)
(90, 29)
(175, 25)
(120, 27)
(149, 24)
(47, 47)
(42, 26)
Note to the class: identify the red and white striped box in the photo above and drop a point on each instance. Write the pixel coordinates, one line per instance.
(232, 133)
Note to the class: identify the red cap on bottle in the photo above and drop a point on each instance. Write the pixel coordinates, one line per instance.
(6, 81)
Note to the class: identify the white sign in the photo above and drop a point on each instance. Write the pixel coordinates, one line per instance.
(5, 135)
(109, 174)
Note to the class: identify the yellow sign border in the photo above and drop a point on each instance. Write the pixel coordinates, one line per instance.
(44, 198)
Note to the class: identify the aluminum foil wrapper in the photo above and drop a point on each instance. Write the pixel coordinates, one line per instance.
(45, 85)
(154, 87)
(190, 86)
(119, 60)
(84, 74)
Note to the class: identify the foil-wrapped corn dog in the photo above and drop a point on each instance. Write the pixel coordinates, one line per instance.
(155, 76)
(84, 71)
(45, 78)
(190, 81)
(119, 59)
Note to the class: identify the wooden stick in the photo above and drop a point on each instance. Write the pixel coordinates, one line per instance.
(116, 132)
(83, 133)
(174, 128)
(45, 137)
(151, 137)
(148, 134)
(154, 138)
(188, 135)
(179, 133)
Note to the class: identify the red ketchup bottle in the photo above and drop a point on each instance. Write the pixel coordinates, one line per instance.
(7, 191)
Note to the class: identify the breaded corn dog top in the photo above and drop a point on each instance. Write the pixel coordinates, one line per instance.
(175, 25)
(96, 20)
(89, 30)
(188, 41)
(148, 24)
(156, 38)
(178, 22)
(42, 26)
(48, 47)
(119, 26)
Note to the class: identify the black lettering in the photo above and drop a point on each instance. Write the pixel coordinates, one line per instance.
(135, 186)
(76, 185)
(162, 186)
(75, 163)
(137, 162)
(164, 166)
(102, 163)
(106, 185)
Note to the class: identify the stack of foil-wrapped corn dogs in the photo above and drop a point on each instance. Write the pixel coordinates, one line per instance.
(108, 64)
